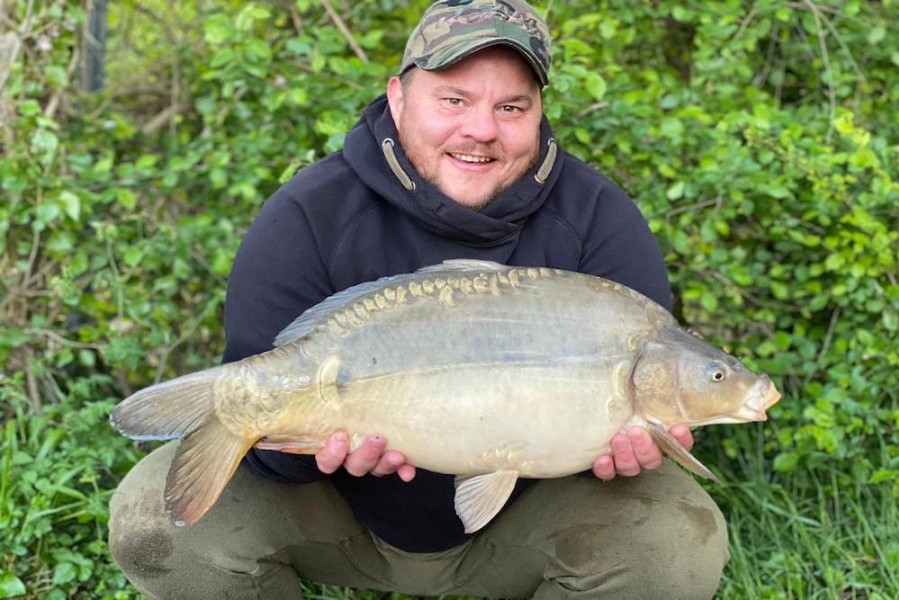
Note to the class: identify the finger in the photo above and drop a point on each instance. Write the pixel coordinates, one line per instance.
(364, 458)
(683, 435)
(389, 462)
(604, 467)
(406, 472)
(334, 453)
(625, 462)
(645, 450)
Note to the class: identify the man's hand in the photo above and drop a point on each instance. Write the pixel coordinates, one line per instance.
(370, 457)
(635, 451)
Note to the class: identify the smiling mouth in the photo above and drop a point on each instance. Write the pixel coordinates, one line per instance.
(472, 159)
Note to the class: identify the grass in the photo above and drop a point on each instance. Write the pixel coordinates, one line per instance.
(810, 534)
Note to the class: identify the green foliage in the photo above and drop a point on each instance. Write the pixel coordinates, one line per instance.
(54, 491)
(759, 137)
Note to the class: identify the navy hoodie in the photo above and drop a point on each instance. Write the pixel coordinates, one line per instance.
(364, 213)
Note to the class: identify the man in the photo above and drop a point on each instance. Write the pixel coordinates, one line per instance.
(455, 161)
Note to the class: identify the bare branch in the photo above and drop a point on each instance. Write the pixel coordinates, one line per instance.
(825, 55)
(360, 53)
(53, 104)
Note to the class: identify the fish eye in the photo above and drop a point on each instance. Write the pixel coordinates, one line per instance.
(717, 372)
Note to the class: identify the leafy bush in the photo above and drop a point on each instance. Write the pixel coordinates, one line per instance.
(758, 137)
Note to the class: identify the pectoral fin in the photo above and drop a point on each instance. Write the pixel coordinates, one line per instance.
(672, 448)
(289, 445)
(480, 497)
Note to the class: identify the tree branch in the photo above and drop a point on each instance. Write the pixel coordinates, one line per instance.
(360, 53)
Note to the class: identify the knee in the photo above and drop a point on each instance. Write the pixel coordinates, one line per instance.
(685, 557)
(142, 553)
(659, 537)
(678, 557)
(139, 530)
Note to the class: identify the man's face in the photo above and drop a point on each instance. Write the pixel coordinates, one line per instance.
(472, 129)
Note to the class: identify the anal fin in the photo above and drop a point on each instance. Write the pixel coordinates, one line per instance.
(672, 448)
(480, 497)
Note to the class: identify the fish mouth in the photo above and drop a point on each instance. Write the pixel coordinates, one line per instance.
(762, 397)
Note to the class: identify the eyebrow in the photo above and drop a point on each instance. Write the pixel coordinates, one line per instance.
(454, 91)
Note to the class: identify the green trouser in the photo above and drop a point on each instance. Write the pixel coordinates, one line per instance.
(658, 535)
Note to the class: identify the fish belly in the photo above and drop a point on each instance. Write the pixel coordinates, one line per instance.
(541, 420)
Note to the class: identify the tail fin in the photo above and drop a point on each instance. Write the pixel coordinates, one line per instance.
(184, 408)
(168, 410)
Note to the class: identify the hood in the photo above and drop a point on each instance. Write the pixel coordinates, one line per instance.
(373, 152)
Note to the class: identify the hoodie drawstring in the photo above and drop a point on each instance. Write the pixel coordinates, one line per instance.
(551, 151)
(394, 164)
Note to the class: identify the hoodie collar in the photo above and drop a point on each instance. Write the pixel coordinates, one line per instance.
(373, 151)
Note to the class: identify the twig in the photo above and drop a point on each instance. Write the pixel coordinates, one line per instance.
(63, 341)
(828, 338)
(716, 202)
(295, 18)
(592, 108)
(9, 52)
(749, 18)
(185, 335)
(831, 87)
(740, 290)
(53, 104)
(762, 75)
(360, 53)
(158, 122)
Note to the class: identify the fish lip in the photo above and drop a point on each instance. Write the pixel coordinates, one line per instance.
(762, 397)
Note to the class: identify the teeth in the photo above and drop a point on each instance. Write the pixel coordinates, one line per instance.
(472, 159)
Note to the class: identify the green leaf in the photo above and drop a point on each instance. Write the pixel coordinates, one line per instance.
(891, 320)
(709, 301)
(786, 462)
(126, 198)
(29, 108)
(596, 85)
(217, 29)
(881, 475)
(11, 586)
(60, 242)
(46, 143)
(71, 204)
(877, 35)
(64, 573)
(676, 191)
(672, 128)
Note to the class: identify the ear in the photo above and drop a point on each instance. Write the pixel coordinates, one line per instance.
(395, 99)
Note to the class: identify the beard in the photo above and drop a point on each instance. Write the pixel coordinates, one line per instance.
(417, 160)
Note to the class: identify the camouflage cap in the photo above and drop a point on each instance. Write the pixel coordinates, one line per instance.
(450, 30)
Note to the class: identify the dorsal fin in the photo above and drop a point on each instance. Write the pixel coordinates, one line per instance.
(464, 264)
(306, 322)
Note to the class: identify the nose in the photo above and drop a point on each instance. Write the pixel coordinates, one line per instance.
(480, 124)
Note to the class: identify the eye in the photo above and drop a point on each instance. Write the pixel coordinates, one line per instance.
(453, 101)
(510, 108)
(716, 372)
